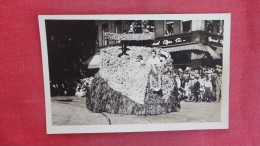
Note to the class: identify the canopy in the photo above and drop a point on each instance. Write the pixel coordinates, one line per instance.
(195, 56)
(203, 48)
(93, 62)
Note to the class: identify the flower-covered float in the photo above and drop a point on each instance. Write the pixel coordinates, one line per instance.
(133, 81)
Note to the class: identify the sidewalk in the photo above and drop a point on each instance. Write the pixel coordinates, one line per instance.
(73, 111)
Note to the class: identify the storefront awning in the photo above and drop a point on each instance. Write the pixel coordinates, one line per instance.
(203, 48)
(93, 62)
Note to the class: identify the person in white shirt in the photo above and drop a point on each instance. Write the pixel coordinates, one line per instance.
(208, 90)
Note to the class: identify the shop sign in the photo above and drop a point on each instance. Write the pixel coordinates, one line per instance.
(214, 41)
(172, 41)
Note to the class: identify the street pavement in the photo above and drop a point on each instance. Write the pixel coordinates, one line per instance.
(72, 111)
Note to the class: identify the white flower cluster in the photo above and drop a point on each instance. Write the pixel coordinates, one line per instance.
(86, 81)
(82, 86)
(126, 74)
(129, 76)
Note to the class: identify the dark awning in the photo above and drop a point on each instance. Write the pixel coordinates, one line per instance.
(203, 48)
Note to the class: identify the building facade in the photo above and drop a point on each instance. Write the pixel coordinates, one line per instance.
(189, 42)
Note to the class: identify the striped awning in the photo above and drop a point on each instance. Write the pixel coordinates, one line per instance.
(203, 48)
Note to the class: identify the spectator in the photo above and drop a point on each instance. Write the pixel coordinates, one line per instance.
(218, 86)
(208, 90)
(196, 88)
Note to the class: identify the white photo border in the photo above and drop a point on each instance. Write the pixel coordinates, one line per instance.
(223, 124)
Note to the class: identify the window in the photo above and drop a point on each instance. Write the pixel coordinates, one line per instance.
(97, 36)
(105, 29)
(209, 26)
(214, 26)
(186, 26)
(150, 25)
(119, 26)
(218, 26)
(169, 27)
(138, 26)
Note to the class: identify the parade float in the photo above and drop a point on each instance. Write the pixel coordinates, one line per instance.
(128, 84)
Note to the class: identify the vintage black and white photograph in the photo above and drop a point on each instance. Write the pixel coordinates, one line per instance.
(127, 73)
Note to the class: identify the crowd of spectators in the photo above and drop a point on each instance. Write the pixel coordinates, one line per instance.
(71, 86)
(192, 85)
(63, 88)
(199, 85)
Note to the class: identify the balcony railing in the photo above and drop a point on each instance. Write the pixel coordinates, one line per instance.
(129, 36)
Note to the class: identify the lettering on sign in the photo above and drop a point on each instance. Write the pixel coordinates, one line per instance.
(158, 43)
(210, 39)
(213, 40)
(179, 40)
(172, 41)
(166, 42)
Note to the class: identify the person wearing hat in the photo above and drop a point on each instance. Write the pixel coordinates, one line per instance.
(218, 67)
(140, 60)
(177, 85)
(187, 89)
(184, 79)
(202, 88)
(218, 86)
(213, 82)
(178, 82)
(208, 90)
(164, 53)
(153, 62)
(155, 74)
(201, 81)
(180, 70)
(196, 89)
(187, 69)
